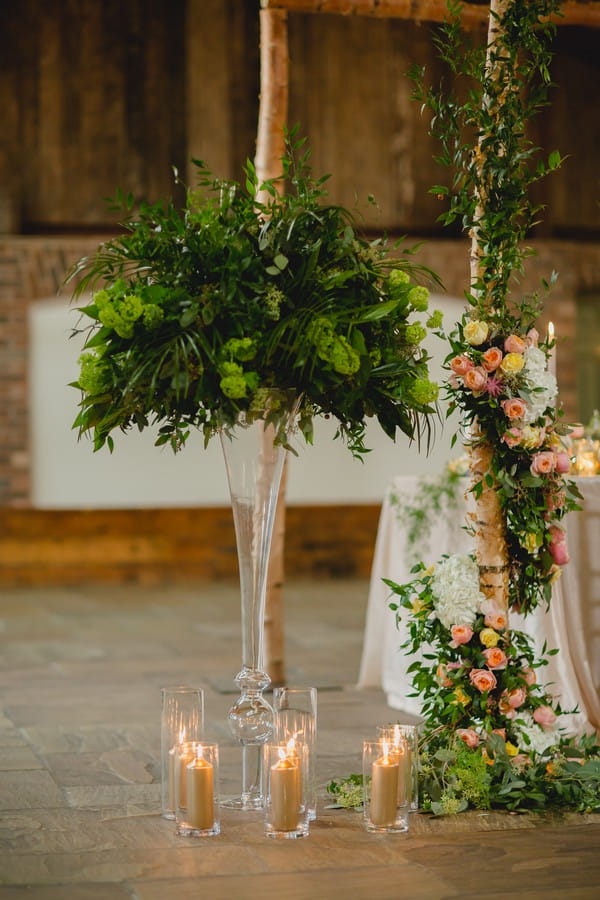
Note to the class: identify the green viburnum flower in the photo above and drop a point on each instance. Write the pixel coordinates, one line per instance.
(397, 282)
(152, 315)
(243, 349)
(435, 320)
(418, 297)
(450, 805)
(233, 386)
(92, 375)
(415, 333)
(424, 391)
(343, 357)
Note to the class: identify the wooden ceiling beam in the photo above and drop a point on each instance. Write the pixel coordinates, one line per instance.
(472, 15)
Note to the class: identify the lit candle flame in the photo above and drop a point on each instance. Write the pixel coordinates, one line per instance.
(550, 332)
(199, 752)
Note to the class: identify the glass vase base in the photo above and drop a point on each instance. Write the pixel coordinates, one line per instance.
(190, 831)
(294, 835)
(169, 814)
(244, 803)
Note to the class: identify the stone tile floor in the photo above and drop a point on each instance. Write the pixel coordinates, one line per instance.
(80, 672)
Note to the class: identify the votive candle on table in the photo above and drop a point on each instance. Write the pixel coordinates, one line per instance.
(182, 721)
(197, 812)
(384, 787)
(286, 812)
(383, 811)
(406, 739)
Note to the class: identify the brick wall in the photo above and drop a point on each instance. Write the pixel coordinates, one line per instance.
(35, 267)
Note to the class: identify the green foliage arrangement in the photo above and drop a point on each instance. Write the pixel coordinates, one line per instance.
(491, 733)
(200, 313)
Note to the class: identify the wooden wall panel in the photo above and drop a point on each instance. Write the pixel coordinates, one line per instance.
(169, 545)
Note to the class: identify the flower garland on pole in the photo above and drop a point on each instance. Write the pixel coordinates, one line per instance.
(492, 734)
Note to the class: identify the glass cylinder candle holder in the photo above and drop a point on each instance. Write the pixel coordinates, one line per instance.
(296, 720)
(286, 808)
(396, 734)
(182, 722)
(385, 807)
(587, 459)
(197, 789)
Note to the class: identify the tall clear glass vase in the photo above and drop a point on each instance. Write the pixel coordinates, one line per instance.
(254, 465)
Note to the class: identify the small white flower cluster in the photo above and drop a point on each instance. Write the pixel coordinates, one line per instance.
(540, 739)
(455, 587)
(535, 375)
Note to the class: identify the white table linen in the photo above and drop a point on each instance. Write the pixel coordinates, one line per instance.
(572, 624)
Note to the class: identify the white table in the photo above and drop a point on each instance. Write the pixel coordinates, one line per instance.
(572, 624)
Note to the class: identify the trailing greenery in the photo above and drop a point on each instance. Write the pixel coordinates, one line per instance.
(200, 313)
(432, 498)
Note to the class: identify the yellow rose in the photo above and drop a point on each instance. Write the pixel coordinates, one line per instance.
(531, 437)
(460, 698)
(475, 333)
(511, 749)
(489, 637)
(417, 605)
(529, 541)
(512, 363)
(429, 570)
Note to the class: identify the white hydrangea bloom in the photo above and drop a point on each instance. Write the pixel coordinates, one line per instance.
(455, 588)
(535, 375)
(541, 739)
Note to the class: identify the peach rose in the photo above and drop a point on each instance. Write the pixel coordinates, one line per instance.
(555, 500)
(514, 408)
(512, 437)
(491, 359)
(544, 716)
(500, 731)
(475, 332)
(529, 676)
(495, 658)
(461, 634)
(543, 463)
(517, 697)
(505, 707)
(470, 737)
(496, 619)
(441, 676)
(514, 344)
(482, 679)
(521, 760)
(460, 365)
(475, 379)
(562, 463)
(512, 363)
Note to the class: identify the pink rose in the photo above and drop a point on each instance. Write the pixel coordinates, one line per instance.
(475, 379)
(514, 408)
(514, 344)
(517, 697)
(460, 365)
(491, 359)
(501, 732)
(453, 666)
(533, 337)
(495, 658)
(559, 553)
(544, 716)
(521, 760)
(558, 545)
(543, 463)
(512, 437)
(482, 679)
(505, 707)
(562, 463)
(470, 737)
(529, 676)
(461, 634)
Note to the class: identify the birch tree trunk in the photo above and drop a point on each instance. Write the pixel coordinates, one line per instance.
(490, 527)
(272, 118)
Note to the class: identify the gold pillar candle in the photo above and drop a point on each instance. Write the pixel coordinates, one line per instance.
(185, 754)
(286, 793)
(200, 793)
(384, 789)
